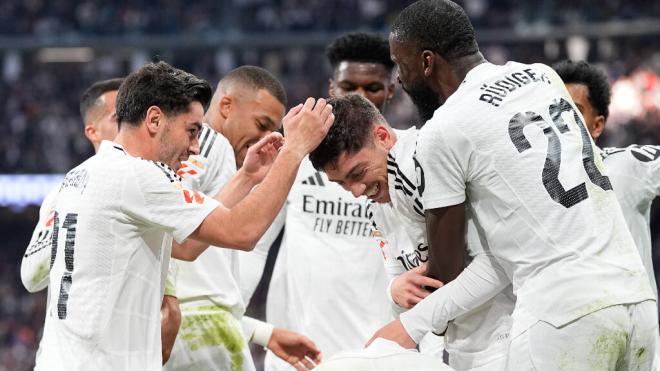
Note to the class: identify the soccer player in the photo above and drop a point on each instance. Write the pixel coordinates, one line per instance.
(329, 282)
(365, 155)
(634, 171)
(361, 65)
(507, 144)
(97, 110)
(247, 105)
(116, 214)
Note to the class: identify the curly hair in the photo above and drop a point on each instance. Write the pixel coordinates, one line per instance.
(360, 47)
(592, 77)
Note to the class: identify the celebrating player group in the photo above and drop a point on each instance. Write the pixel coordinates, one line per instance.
(498, 236)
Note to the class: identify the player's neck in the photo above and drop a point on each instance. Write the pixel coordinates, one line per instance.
(463, 65)
(215, 121)
(451, 80)
(135, 143)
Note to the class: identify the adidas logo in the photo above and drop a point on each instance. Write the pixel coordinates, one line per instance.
(315, 179)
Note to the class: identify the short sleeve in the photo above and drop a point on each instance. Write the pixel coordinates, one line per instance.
(442, 155)
(35, 266)
(155, 196)
(651, 155)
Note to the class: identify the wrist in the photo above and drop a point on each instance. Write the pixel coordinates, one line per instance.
(247, 179)
(292, 153)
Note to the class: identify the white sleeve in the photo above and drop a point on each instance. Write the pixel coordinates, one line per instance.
(171, 278)
(252, 263)
(480, 281)
(443, 154)
(653, 169)
(257, 332)
(35, 266)
(155, 196)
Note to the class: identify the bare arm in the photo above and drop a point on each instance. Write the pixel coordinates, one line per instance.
(446, 235)
(258, 161)
(242, 225)
(169, 324)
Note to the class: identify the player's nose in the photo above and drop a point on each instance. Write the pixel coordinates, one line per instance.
(194, 146)
(357, 189)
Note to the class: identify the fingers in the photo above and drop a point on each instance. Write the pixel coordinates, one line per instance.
(426, 281)
(292, 112)
(266, 141)
(309, 103)
(319, 106)
(372, 339)
(308, 363)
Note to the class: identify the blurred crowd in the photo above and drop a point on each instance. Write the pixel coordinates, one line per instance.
(42, 17)
(42, 130)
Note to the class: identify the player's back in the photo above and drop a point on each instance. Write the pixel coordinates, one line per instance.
(518, 150)
(113, 221)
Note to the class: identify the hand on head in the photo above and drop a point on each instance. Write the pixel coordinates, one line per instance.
(305, 125)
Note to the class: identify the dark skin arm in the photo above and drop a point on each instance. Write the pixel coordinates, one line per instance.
(445, 228)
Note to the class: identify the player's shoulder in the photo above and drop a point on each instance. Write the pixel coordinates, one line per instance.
(635, 154)
(212, 144)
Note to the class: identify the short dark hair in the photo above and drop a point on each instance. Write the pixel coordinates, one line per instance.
(90, 98)
(437, 25)
(161, 85)
(257, 78)
(592, 77)
(360, 47)
(351, 131)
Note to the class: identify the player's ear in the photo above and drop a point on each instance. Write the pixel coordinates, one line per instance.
(90, 133)
(428, 62)
(154, 119)
(331, 87)
(599, 126)
(383, 136)
(226, 103)
(390, 91)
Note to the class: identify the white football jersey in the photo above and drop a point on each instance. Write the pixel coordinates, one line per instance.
(328, 282)
(635, 175)
(213, 276)
(111, 237)
(511, 144)
(35, 266)
(473, 338)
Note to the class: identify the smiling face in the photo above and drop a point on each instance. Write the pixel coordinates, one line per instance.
(364, 173)
(178, 136)
(370, 80)
(248, 118)
(410, 65)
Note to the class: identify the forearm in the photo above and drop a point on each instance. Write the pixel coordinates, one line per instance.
(236, 189)
(170, 322)
(257, 332)
(446, 235)
(256, 212)
(188, 250)
(478, 283)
